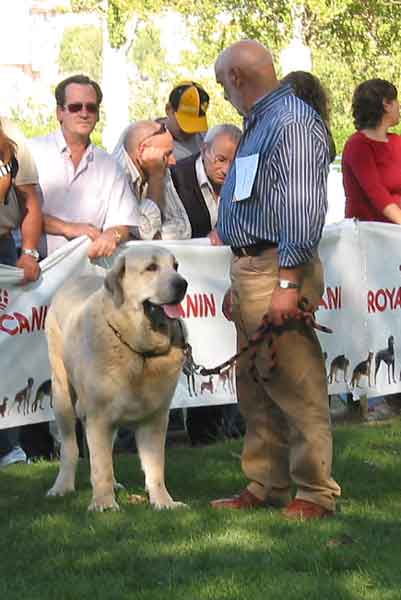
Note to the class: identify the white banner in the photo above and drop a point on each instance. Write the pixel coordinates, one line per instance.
(24, 367)
(361, 304)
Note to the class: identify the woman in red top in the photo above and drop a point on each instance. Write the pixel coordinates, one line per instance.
(371, 161)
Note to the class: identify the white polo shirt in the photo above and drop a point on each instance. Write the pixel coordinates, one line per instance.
(96, 192)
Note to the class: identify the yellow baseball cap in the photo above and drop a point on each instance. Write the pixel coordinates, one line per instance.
(190, 103)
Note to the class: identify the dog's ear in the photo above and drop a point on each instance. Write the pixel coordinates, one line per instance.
(113, 281)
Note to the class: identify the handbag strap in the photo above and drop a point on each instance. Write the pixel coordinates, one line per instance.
(5, 168)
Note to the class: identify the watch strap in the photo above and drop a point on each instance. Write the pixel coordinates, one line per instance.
(31, 252)
(285, 284)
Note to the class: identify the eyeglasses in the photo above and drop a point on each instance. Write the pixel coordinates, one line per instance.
(219, 159)
(76, 107)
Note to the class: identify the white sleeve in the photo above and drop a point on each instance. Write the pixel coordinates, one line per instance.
(123, 206)
(150, 221)
(27, 172)
(176, 225)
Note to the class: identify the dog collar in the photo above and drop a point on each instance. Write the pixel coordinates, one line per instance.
(123, 341)
(120, 338)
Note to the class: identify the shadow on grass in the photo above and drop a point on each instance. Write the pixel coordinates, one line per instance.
(199, 553)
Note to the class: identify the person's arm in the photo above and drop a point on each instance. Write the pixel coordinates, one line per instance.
(153, 164)
(301, 162)
(392, 212)
(69, 230)
(360, 160)
(156, 190)
(108, 241)
(122, 214)
(31, 229)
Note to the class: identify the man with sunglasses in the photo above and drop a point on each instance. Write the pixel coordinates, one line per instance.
(84, 190)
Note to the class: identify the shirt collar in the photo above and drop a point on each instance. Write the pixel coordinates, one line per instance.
(201, 173)
(134, 173)
(63, 146)
(266, 103)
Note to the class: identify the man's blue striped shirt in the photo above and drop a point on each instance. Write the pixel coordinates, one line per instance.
(288, 201)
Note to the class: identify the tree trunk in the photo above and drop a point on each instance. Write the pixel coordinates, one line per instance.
(115, 90)
(297, 56)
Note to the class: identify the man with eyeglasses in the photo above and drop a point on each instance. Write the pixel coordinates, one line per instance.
(83, 188)
(198, 179)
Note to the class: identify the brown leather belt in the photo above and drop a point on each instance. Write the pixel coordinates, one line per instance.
(253, 250)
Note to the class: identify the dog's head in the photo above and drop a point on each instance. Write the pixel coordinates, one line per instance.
(145, 278)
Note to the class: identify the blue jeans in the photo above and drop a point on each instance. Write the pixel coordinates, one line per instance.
(9, 438)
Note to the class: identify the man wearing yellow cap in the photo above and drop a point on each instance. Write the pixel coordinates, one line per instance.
(186, 118)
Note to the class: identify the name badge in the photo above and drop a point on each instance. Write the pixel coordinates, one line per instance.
(245, 172)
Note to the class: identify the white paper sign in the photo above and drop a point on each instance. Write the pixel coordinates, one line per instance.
(245, 172)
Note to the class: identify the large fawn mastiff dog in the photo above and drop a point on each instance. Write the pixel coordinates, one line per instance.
(116, 351)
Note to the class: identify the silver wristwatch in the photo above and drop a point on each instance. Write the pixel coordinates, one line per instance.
(285, 284)
(31, 252)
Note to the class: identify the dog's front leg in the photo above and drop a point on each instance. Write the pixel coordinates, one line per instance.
(100, 443)
(150, 440)
(65, 427)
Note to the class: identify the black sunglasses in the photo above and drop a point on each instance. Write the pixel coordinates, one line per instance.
(76, 107)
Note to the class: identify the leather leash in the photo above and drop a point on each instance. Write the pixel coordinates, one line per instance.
(264, 333)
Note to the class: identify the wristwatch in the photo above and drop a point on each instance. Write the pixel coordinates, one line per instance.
(117, 236)
(285, 284)
(31, 252)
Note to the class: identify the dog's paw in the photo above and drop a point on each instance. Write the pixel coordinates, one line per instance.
(59, 491)
(101, 505)
(170, 505)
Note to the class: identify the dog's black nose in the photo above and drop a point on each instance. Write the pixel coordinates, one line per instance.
(181, 286)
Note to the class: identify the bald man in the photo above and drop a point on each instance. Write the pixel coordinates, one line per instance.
(272, 210)
(145, 151)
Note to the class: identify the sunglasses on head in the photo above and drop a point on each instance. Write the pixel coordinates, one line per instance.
(162, 129)
(75, 107)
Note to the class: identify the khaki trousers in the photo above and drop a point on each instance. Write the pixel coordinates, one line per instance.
(288, 437)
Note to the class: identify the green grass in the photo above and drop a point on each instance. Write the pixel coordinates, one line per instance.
(52, 548)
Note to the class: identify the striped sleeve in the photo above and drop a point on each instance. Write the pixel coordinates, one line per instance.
(301, 162)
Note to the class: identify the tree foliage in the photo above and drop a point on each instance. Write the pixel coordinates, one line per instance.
(118, 13)
(81, 51)
(351, 40)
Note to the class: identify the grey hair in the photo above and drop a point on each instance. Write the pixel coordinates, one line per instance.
(231, 131)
